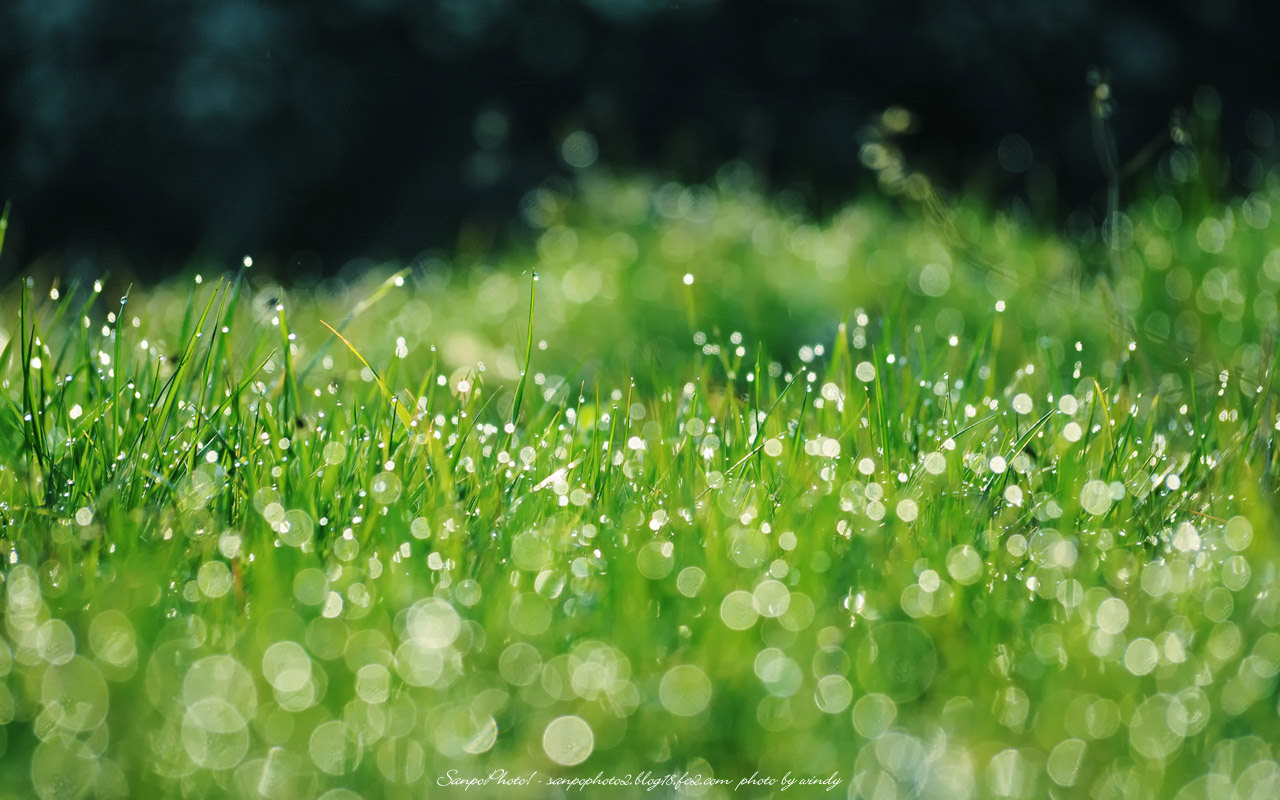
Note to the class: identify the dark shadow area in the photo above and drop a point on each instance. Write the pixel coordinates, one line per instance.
(308, 133)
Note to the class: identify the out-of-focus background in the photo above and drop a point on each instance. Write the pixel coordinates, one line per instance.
(150, 137)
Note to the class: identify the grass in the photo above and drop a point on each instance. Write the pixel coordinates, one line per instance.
(691, 484)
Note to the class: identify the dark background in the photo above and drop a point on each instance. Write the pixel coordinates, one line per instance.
(141, 136)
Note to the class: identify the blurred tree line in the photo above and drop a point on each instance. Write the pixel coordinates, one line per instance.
(309, 133)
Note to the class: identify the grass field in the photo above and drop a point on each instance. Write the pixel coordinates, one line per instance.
(922, 505)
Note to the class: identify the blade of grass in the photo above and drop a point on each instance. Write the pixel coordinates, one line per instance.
(528, 353)
(390, 283)
(401, 412)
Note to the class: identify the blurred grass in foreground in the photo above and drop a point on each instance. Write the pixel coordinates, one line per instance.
(923, 505)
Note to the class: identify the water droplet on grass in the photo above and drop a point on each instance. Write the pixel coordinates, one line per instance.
(295, 527)
(530, 551)
(833, 694)
(748, 548)
(771, 598)
(75, 695)
(214, 734)
(286, 666)
(373, 684)
(1238, 533)
(1095, 498)
(689, 581)
(1063, 764)
(420, 528)
(780, 674)
(214, 579)
(55, 642)
(223, 678)
(62, 770)
(654, 561)
(112, 639)
(685, 690)
(333, 748)
(520, 664)
(385, 488)
(873, 714)
(930, 581)
(334, 453)
(433, 623)
(964, 564)
(468, 592)
(907, 510)
(1236, 573)
(568, 740)
(1186, 538)
(1009, 774)
(1141, 656)
(738, 611)
(1157, 727)
(1113, 616)
(875, 510)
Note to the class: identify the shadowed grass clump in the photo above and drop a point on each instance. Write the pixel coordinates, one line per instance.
(919, 509)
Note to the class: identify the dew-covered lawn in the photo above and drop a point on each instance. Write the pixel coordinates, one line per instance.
(947, 508)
